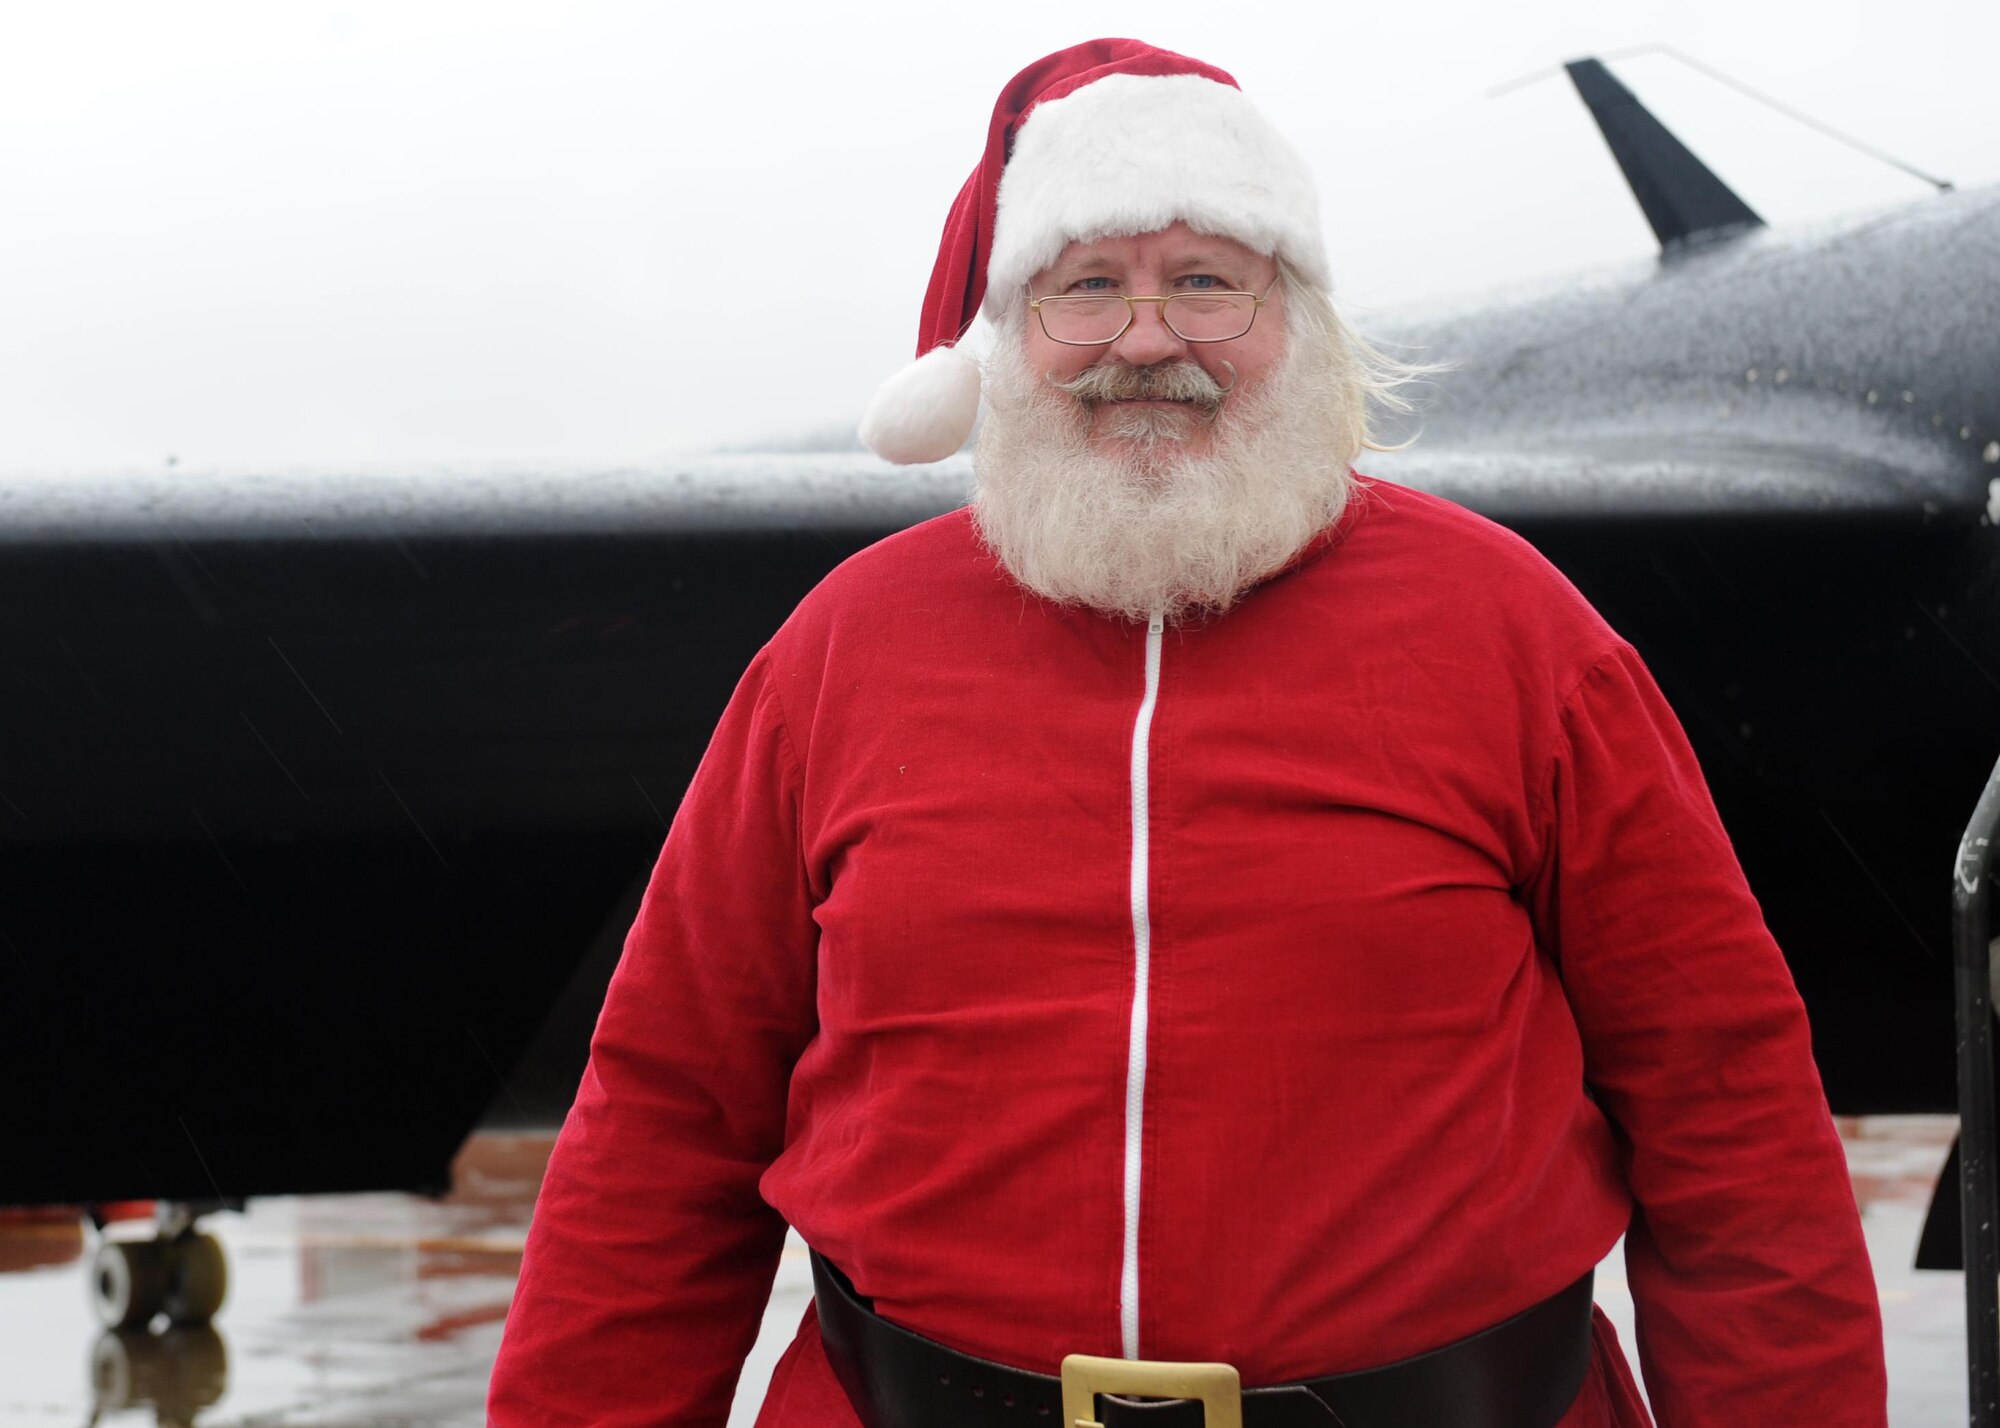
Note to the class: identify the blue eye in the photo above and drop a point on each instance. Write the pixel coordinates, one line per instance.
(1091, 285)
(1204, 283)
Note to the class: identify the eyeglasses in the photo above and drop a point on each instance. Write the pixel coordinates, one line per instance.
(1098, 319)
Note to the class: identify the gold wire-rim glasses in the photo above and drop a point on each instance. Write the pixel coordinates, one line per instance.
(1131, 314)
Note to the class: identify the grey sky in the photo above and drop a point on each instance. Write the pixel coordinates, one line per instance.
(321, 234)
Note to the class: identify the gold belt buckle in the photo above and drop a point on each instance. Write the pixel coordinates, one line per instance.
(1084, 1377)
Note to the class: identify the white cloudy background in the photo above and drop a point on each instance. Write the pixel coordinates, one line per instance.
(315, 233)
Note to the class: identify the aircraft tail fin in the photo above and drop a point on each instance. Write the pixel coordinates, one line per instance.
(1682, 198)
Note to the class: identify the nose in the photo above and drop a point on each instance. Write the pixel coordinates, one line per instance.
(1148, 340)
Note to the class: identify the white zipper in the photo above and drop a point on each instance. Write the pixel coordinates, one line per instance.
(1142, 968)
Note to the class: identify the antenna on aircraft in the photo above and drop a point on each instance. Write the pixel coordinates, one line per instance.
(1941, 185)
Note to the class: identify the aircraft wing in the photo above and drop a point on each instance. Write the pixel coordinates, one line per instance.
(699, 495)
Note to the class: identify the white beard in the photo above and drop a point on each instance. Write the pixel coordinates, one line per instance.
(1147, 526)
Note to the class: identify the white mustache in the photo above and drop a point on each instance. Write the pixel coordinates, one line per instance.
(1180, 381)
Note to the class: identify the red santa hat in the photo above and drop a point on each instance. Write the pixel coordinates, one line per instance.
(1106, 138)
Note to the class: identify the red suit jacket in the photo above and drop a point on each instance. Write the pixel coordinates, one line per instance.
(1301, 989)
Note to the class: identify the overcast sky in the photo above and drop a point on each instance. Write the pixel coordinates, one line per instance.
(323, 234)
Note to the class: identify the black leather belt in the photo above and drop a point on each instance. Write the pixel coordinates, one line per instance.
(1521, 1373)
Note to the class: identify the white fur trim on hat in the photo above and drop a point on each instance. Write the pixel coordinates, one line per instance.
(1134, 154)
(926, 411)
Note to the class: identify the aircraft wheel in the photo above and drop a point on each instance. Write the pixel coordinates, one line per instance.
(197, 1279)
(128, 1282)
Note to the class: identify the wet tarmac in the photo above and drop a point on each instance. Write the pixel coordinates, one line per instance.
(385, 1310)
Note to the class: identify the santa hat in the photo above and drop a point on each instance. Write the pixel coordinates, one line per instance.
(1107, 138)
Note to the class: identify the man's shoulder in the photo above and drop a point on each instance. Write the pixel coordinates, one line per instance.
(1420, 516)
(930, 568)
(1495, 585)
(929, 560)
(1461, 544)
(943, 548)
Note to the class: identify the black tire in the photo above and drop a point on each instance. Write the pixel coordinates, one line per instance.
(128, 1282)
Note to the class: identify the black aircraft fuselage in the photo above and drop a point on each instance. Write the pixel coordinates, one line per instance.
(324, 801)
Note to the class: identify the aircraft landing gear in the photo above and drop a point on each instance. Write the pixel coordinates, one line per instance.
(179, 1272)
(1979, 1155)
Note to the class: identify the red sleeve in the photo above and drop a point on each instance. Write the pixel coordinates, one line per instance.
(1756, 1302)
(651, 1254)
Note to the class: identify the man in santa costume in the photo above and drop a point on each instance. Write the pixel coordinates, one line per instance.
(1196, 908)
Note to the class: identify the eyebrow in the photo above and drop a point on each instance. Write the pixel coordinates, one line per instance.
(1199, 259)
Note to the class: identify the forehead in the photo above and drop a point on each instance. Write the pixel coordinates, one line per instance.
(1178, 246)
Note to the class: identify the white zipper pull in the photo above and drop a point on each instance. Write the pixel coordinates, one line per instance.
(1156, 623)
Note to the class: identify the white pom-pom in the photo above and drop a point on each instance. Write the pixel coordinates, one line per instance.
(926, 411)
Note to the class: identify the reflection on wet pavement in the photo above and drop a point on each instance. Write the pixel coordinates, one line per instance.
(176, 1373)
(386, 1309)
